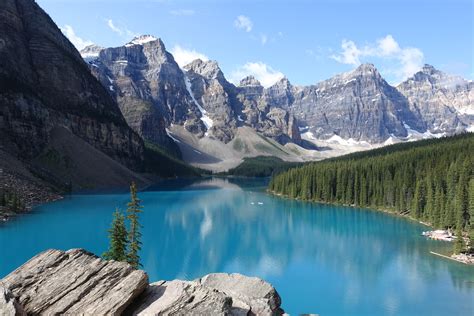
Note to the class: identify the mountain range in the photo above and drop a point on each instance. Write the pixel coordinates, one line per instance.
(215, 122)
(107, 116)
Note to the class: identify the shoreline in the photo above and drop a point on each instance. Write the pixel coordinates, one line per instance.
(30, 193)
(446, 257)
(461, 258)
(6, 216)
(34, 193)
(386, 211)
(453, 257)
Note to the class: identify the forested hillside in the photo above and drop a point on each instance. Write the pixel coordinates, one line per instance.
(432, 181)
(261, 166)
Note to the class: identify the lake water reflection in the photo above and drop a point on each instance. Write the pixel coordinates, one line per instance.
(322, 259)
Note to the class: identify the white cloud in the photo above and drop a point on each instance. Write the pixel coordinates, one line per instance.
(78, 42)
(244, 23)
(112, 26)
(408, 60)
(264, 73)
(350, 53)
(184, 56)
(122, 31)
(388, 46)
(263, 39)
(412, 60)
(183, 12)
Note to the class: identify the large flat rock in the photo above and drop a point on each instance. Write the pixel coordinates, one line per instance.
(74, 282)
(181, 298)
(248, 293)
(214, 294)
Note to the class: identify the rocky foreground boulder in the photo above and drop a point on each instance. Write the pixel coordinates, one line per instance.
(8, 303)
(80, 283)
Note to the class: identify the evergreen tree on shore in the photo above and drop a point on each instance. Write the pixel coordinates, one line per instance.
(118, 239)
(125, 245)
(471, 215)
(459, 245)
(134, 234)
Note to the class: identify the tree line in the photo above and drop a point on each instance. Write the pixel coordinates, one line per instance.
(261, 166)
(11, 201)
(431, 181)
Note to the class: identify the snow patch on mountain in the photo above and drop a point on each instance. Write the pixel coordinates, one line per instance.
(346, 142)
(171, 136)
(91, 52)
(391, 140)
(415, 135)
(204, 117)
(140, 40)
(308, 135)
(469, 111)
(90, 55)
(335, 139)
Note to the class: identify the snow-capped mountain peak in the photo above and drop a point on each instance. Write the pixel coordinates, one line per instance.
(142, 39)
(91, 52)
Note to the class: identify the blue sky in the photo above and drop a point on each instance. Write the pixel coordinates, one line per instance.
(307, 41)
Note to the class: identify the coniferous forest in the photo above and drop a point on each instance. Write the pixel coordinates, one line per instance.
(430, 180)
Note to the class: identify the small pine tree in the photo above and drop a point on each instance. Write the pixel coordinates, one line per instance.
(459, 245)
(118, 239)
(134, 235)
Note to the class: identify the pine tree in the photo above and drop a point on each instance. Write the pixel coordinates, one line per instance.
(418, 200)
(118, 239)
(430, 204)
(461, 200)
(459, 245)
(134, 235)
(438, 207)
(471, 215)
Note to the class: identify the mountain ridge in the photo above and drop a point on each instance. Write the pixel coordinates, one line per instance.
(353, 110)
(358, 106)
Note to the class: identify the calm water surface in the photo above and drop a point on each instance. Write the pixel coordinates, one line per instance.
(322, 259)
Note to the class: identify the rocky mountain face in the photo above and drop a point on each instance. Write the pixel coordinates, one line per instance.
(270, 119)
(361, 106)
(358, 105)
(444, 102)
(76, 282)
(149, 87)
(154, 93)
(215, 97)
(45, 85)
(91, 52)
(53, 108)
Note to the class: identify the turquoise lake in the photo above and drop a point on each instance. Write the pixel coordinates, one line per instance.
(322, 259)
